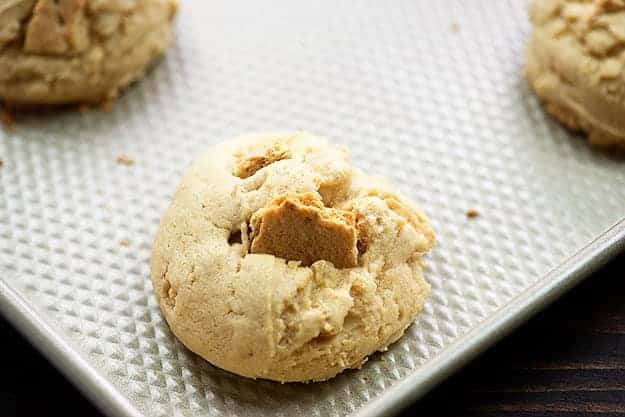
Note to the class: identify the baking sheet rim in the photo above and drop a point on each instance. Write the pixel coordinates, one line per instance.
(551, 286)
(502, 322)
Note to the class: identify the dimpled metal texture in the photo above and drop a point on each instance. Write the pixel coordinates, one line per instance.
(430, 94)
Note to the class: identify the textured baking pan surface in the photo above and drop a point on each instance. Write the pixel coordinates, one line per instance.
(430, 94)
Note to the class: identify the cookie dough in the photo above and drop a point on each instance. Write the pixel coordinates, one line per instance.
(277, 259)
(56, 52)
(575, 63)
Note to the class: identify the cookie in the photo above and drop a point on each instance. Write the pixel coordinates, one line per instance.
(575, 64)
(55, 52)
(277, 259)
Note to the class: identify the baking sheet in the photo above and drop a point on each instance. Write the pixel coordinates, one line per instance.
(430, 94)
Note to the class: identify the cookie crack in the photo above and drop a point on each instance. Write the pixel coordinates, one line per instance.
(167, 291)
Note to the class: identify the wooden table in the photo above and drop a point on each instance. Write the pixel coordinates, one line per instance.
(569, 360)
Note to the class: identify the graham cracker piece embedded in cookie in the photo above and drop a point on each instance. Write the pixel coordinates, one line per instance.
(299, 227)
(249, 165)
(57, 27)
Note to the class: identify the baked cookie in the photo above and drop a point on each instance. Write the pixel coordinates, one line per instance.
(277, 259)
(575, 63)
(56, 52)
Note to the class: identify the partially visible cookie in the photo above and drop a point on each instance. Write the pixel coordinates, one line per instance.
(575, 63)
(55, 52)
(277, 259)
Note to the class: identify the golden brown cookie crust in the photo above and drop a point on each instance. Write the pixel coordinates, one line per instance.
(575, 64)
(55, 52)
(57, 27)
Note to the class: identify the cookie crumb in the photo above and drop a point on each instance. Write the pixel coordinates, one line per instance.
(106, 105)
(1, 163)
(471, 213)
(455, 27)
(124, 242)
(84, 108)
(7, 120)
(125, 160)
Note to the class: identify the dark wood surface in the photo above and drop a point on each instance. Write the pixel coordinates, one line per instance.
(568, 361)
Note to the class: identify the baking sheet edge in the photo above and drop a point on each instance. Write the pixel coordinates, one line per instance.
(554, 284)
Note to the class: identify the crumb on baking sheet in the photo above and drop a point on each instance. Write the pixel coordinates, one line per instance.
(7, 120)
(124, 242)
(455, 27)
(106, 105)
(472, 213)
(125, 160)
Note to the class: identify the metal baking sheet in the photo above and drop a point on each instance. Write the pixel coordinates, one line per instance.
(428, 93)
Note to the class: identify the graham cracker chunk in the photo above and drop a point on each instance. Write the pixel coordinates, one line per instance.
(298, 227)
(249, 165)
